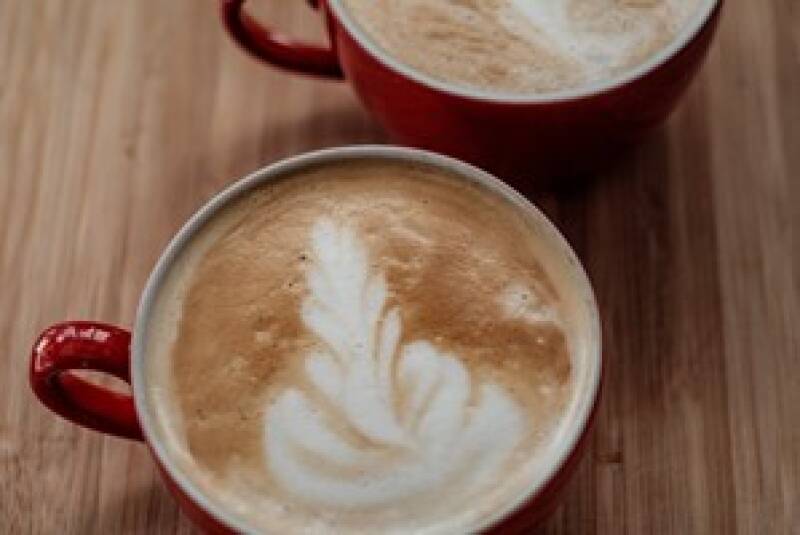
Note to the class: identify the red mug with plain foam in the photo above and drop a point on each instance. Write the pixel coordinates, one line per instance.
(549, 135)
(82, 345)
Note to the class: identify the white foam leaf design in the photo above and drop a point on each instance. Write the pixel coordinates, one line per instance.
(384, 421)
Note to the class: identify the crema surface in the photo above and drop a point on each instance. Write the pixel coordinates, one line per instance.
(363, 346)
(522, 46)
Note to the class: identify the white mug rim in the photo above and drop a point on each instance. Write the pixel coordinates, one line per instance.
(583, 410)
(682, 39)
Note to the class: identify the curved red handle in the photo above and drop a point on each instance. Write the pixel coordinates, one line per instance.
(275, 48)
(84, 345)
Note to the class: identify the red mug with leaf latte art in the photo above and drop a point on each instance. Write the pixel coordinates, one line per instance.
(81, 345)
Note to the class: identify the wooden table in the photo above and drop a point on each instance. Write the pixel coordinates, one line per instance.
(119, 118)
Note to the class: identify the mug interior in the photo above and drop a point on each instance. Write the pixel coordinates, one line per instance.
(679, 42)
(586, 357)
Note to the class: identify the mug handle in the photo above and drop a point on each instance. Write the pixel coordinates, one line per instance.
(276, 49)
(83, 345)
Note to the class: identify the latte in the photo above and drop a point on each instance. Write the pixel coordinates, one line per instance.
(522, 46)
(365, 346)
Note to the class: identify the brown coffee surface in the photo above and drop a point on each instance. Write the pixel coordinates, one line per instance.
(456, 270)
(522, 46)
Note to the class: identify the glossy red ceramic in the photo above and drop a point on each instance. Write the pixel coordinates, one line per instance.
(549, 136)
(66, 347)
(84, 345)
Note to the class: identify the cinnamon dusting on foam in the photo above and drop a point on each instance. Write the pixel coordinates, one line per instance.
(295, 415)
(522, 46)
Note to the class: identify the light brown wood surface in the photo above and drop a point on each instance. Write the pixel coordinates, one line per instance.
(119, 118)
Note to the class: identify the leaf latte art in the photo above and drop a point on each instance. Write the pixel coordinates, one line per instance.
(379, 421)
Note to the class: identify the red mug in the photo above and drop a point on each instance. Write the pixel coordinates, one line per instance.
(66, 347)
(550, 135)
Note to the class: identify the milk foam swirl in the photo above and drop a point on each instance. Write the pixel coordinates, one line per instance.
(379, 421)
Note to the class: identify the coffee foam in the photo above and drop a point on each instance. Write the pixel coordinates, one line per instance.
(523, 46)
(414, 425)
(341, 350)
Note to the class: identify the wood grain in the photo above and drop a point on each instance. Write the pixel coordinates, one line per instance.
(118, 119)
